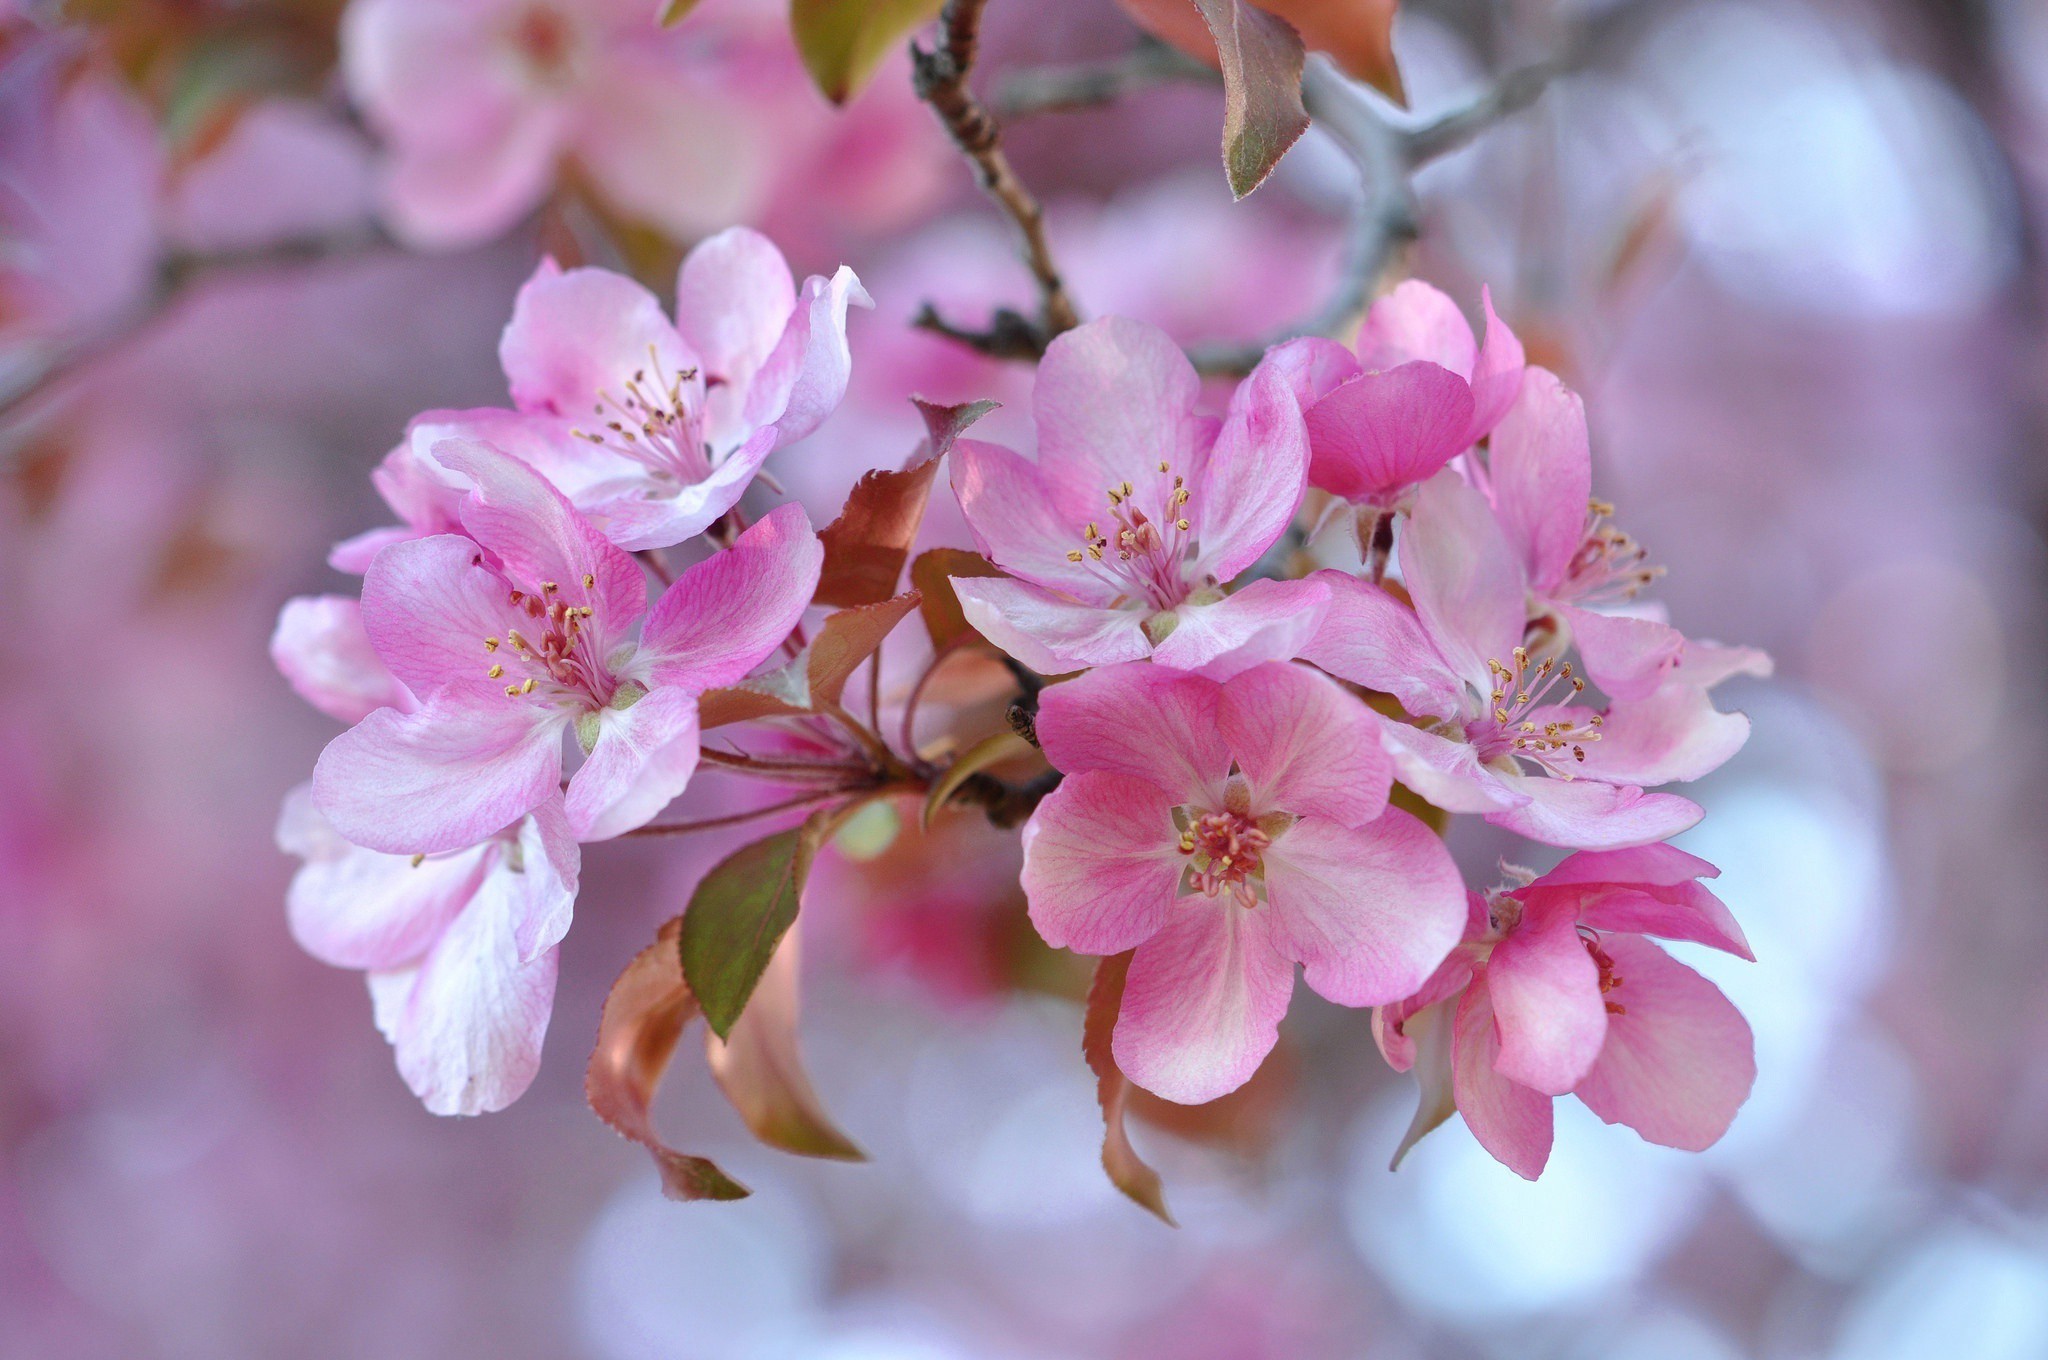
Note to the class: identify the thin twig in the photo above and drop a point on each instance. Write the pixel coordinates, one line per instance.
(940, 76)
(736, 818)
(1059, 89)
(924, 678)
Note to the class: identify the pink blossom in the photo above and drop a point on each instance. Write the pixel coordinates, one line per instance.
(654, 428)
(1505, 738)
(459, 947)
(426, 500)
(508, 653)
(1419, 391)
(1555, 990)
(1121, 538)
(1227, 832)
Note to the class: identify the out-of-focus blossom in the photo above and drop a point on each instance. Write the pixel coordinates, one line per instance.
(1556, 991)
(1505, 739)
(1223, 881)
(485, 747)
(655, 428)
(710, 123)
(1137, 514)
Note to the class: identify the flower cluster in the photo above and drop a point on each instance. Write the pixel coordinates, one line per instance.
(1245, 760)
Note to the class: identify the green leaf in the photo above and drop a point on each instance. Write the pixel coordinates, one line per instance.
(1261, 58)
(976, 758)
(737, 916)
(842, 41)
(675, 11)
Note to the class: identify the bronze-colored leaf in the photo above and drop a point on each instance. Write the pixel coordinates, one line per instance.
(1261, 57)
(761, 1069)
(1128, 1171)
(644, 1016)
(675, 11)
(865, 548)
(848, 638)
(842, 41)
(931, 574)
(945, 424)
(1358, 33)
(988, 751)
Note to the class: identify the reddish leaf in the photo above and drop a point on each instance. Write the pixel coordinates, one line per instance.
(930, 575)
(761, 1070)
(1127, 1170)
(848, 638)
(643, 1018)
(866, 546)
(1358, 33)
(1261, 58)
(945, 424)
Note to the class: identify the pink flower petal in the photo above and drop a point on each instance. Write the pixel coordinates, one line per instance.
(1253, 480)
(550, 869)
(1662, 866)
(1050, 634)
(1510, 1120)
(1583, 814)
(668, 152)
(734, 298)
(1010, 511)
(1685, 912)
(1707, 664)
(643, 758)
(1383, 432)
(1540, 465)
(1146, 722)
(1114, 399)
(576, 336)
(1675, 734)
(463, 192)
(1369, 913)
(428, 606)
(1306, 745)
(1446, 773)
(805, 378)
(1417, 321)
(1264, 621)
(1372, 639)
(320, 646)
(1679, 1061)
(1626, 657)
(1466, 584)
(727, 614)
(1547, 1006)
(1101, 863)
(1390, 1022)
(464, 767)
(633, 519)
(1312, 367)
(1496, 373)
(1202, 1003)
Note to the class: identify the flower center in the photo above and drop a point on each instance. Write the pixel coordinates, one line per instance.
(1224, 851)
(1609, 565)
(1144, 554)
(654, 421)
(553, 656)
(1559, 742)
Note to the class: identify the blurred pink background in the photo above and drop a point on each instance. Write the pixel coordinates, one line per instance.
(1793, 254)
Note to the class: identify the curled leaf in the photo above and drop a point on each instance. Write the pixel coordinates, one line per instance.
(1261, 57)
(644, 1016)
(761, 1069)
(1128, 1171)
(930, 574)
(842, 41)
(865, 548)
(988, 751)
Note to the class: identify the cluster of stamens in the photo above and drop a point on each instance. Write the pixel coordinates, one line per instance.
(653, 422)
(1609, 979)
(1142, 554)
(1556, 744)
(1609, 564)
(554, 651)
(1224, 851)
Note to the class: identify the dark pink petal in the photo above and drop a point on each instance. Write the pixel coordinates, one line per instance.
(734, 299)
(1253, 480)
(1679, 1059)
(1264, 621)
(429, 605)
(1540, 465)
(1101, 863)
(1312, 367)
(1547, 1005)
(320, 646)
(1369, 913)
(576, 338)
(1417, 321)
(1114, 399)
(357, 908)
(469, 764)
(1510, 1120)
(1583, 814)
(1674, 734)
(727, 614)
(1011, 513)
(1385, 431)
(1050, 633)
(1626, 657)
(1307, 746)
(1447, 773)
(542, 540)
(1496, 373)
(804, 379)
(1466, 584)
(1685, 912)
(1372, 639)
(1390, 1028)
(643, 758)
(1202, 1002)
(1146, 722)
(1663, 866)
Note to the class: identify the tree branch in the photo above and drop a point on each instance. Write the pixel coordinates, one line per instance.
(940, 75)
